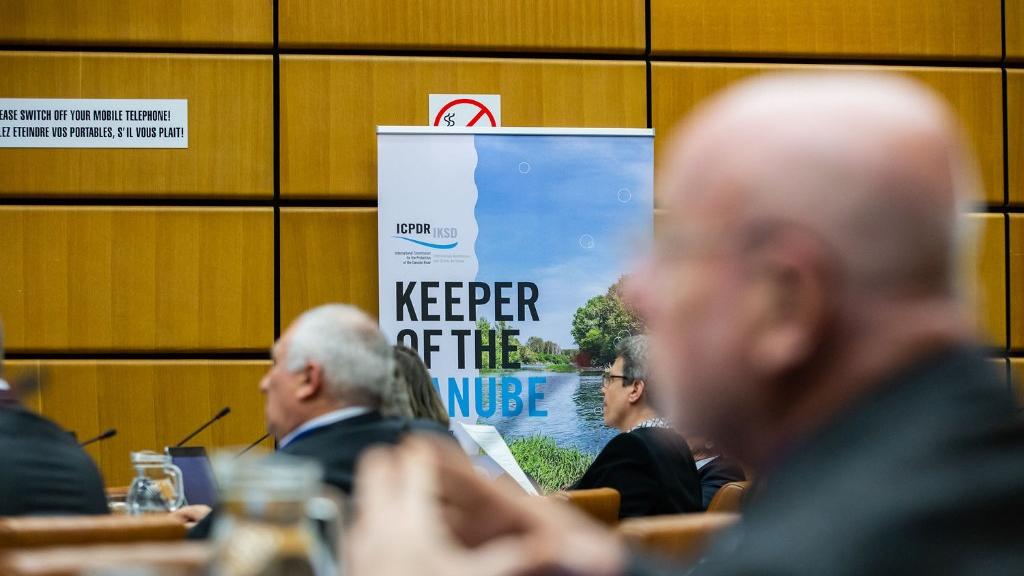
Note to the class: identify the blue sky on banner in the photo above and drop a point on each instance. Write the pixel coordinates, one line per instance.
(570, 213)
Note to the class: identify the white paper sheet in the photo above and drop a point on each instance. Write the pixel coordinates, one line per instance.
(491, 442)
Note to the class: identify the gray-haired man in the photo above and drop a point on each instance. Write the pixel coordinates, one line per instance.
(331, 373)
(649, 463)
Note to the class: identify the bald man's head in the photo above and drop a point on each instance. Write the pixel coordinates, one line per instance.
(873, 164)
(810, 219)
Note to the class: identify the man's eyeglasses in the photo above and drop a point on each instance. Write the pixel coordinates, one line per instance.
(607, 377)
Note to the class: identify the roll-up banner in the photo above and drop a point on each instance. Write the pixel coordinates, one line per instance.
(501, 258)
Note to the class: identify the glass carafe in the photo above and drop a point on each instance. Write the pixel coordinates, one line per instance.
(273, 519)
(157, 486)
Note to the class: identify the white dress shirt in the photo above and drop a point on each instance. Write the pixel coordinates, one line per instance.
(704, 462)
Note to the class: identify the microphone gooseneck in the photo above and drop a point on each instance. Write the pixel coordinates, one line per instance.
(253, 445)
(223, 412)
(103, 436)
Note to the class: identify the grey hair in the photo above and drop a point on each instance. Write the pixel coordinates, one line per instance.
(633, 351)
(353, 353)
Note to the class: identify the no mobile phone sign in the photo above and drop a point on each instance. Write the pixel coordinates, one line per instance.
(464, 110)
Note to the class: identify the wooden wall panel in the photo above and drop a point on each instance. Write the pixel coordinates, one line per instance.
(331, 105)
(236, 384)
(1016, 281)
(938, 29)
(1017, 378)
(237, 23)
(985, 285)
(975, 93)
(127, 402)
(608, 26)
(1015, 134)
(1014, 30)
(328, 255)
(96, 279)
(1001, 366)
(151, 404)
(13, 371)
(231, 134)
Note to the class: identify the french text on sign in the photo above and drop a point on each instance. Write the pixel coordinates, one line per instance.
(93, 123)
(464, 110)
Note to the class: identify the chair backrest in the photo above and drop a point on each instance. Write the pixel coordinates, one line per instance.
(601, 504)
(35, 531)
(679, 536)
(171, 558)
(729, 497)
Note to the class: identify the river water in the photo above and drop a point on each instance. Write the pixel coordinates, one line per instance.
(574, 412)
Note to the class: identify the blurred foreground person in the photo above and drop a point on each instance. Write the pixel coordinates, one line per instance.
(649, 463)
(43, 470)
(713, 469)
(802, 303)
(415, 387)
(323, 393)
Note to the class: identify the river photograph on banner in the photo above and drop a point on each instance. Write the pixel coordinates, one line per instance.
(502, 258)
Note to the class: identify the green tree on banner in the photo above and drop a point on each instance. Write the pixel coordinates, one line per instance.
(600, 323)
(484, 327)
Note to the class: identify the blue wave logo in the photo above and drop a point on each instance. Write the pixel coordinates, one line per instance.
(428, 244)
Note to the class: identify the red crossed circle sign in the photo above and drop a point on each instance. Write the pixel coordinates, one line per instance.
(481, 111)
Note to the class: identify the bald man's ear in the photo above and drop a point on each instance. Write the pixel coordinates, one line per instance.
(313, 382)
(790, 307)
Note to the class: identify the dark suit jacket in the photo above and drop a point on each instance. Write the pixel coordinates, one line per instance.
(337, 447)
(43, 469)
(924, 476)
(652, 469)
(717, 473)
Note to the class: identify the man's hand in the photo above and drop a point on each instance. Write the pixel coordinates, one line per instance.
(424, 510)
(191, 515)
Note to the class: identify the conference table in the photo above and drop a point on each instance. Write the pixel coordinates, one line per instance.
(67, 546)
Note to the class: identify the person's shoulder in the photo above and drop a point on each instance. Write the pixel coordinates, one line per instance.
(625, 439)
(625, 444)
(427, 426)
(25, 423)
(660, 439)
(725, 465)
(660, 433)
(371, 427)
(621, 453)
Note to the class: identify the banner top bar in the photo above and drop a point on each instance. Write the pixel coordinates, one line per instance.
(525, 131)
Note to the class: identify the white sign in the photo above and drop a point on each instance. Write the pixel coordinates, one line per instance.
(490, 441)
(93, 123)
(462, 110)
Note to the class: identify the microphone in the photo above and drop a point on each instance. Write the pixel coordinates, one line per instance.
(253, 445)
(107, 434)
(223, 412)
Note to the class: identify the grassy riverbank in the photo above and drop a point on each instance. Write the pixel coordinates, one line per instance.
(553, 467)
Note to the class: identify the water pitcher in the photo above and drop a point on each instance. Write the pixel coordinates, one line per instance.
(273, 519)
(157, 487)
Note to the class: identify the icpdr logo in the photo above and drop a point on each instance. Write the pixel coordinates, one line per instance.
(406, 231)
